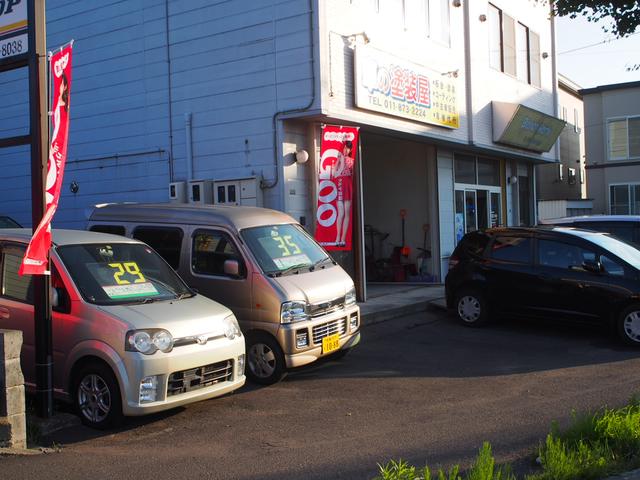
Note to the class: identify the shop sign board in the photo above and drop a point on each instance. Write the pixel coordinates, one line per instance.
(13, 28)
(520, 126)
(394, 86)
(334, 217)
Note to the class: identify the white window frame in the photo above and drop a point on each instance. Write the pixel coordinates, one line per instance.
(628, 185)
(528, 54)
(607, 136)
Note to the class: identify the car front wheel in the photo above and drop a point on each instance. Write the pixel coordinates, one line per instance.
(265, 360)
(97, 397)
(471, 307)
(629, 325)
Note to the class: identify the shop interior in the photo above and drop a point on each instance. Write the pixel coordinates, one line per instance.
(398, 233)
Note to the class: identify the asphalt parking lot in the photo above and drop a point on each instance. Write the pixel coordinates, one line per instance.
(420, 387)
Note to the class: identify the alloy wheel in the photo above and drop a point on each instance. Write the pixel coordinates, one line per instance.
(94, 398)
(262, 360)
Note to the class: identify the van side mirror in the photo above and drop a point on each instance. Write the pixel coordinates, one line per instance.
(55, 297)
(60, 300)
(592, 266)
(232, 268)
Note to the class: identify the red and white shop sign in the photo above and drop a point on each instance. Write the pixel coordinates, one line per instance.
(35, 261)
(334, 217)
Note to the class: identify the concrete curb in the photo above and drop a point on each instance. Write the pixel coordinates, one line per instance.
(632, 475)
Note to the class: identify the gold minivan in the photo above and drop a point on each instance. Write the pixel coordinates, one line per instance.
(129, 336)
(294, 303)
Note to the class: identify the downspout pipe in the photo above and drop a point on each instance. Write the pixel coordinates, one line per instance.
(189, 145)
(277, 115)
(169, 99)
(467, 68)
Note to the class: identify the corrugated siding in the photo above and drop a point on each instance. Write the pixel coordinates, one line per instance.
(233, 65)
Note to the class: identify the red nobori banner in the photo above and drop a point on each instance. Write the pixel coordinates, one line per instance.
(334, 216)
(35, 261)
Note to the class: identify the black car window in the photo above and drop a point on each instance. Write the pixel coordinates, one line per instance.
(15, 286)
(612, 267)
(562, 255)
(167, 241)
(210, 249)
(512, 249)
(474, 243)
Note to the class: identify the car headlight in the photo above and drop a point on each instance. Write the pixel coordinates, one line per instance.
(231, 327)
(148, 341)
(293, 312)
(350, 296)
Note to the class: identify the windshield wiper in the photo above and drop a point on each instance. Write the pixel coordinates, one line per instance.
(184, 295)
(145, 300)
(291, 269)
(320, 262)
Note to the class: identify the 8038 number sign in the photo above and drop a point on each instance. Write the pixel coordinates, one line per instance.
(13, 46)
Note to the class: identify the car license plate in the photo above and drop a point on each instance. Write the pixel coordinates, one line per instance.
(331, 343)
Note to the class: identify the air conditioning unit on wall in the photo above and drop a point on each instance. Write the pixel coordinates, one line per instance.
(242, 191)
(200, 191)
(178, 192)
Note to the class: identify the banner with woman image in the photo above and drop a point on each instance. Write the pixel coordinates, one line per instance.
(35, 261)
(334, 217)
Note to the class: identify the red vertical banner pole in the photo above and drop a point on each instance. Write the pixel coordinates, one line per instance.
(39, 133)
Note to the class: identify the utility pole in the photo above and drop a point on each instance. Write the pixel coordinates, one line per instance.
(39, 140)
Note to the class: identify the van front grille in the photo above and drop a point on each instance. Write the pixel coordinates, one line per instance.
(329, 328)
(200, 377)
(324, 308)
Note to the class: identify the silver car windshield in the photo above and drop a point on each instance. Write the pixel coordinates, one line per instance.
(121, 273)
(284, 249)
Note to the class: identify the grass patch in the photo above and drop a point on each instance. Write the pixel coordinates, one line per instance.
(484, 468)
(594, 446)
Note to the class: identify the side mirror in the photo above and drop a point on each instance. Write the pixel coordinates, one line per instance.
(592, 266)
(60, 300)
(232, 268)
(55, 297)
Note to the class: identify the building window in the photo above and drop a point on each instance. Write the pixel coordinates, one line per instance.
(624, 138)
(439, 20)
(513, 48)
(624, 199)
(391, 11)
(428, 17)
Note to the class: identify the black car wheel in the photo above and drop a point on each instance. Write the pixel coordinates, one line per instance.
(265, 360)
(471, 307)
(97, 397)
(629, 325)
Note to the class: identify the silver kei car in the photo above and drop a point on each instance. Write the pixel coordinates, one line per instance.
(129, 337)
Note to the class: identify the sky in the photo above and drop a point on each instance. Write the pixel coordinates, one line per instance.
(591, 65)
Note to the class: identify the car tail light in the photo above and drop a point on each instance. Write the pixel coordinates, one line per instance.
(453, 262)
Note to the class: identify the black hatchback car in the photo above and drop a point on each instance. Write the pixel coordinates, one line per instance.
(546, 272)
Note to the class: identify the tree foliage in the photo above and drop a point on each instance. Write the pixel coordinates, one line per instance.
(624, 14)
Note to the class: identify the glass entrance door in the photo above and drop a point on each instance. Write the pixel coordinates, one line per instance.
(477, 208)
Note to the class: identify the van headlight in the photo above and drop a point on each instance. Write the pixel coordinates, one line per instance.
(293, 312)
(148, 341)
(231, 327)
(350, 297)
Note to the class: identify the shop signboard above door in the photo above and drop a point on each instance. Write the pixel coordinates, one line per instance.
(394, 86)
(523, 127)
(13, 28)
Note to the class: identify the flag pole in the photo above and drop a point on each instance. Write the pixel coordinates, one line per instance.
(39, 121)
